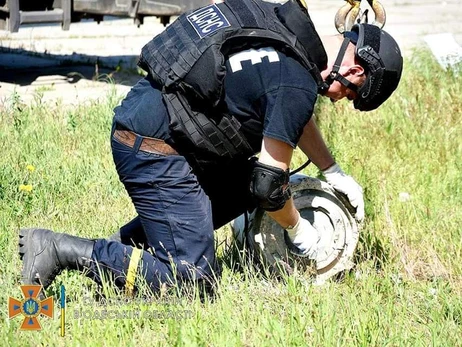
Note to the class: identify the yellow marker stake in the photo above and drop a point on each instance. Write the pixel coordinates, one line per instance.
(63, 309)
(132, 267)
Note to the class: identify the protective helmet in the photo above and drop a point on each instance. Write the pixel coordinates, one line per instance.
(380, 56)
(377, 52)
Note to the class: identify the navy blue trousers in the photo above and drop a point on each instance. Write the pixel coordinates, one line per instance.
(176, 218)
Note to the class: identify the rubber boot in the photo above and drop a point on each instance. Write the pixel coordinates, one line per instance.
(45, 254)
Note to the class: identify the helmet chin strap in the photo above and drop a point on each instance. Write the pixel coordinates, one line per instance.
(334, 75)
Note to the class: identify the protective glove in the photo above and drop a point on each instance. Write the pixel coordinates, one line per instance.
(303, 239)
(346, 185)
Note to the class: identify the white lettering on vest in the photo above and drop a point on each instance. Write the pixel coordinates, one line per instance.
(254, 55)
(207, 20)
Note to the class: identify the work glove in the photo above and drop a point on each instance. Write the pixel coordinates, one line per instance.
(346, 185)
(302, 239)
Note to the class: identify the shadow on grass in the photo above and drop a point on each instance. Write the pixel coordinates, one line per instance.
(371, 248)
(22, 67)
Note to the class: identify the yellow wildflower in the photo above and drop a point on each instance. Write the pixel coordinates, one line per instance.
(30, 168)
(25, 188)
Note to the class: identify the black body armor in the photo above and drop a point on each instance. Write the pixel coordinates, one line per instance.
(188, 60)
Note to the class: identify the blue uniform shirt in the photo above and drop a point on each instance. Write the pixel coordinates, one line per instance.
(269, 93)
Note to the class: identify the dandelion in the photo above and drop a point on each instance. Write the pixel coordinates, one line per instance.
(30, 168)
(25, 188)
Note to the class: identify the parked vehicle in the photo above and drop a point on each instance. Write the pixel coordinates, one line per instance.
(13, 13)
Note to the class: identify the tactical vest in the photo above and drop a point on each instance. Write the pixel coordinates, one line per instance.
(188, 60)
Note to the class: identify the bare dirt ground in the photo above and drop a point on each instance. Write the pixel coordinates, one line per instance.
(76, 65)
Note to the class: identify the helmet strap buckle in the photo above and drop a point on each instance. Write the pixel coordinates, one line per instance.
(334, 74)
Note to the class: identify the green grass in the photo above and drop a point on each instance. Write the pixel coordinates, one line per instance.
(405, 290)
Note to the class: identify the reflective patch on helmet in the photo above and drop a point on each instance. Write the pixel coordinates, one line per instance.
(207, 20)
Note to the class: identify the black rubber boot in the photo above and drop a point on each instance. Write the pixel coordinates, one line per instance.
(45, 254)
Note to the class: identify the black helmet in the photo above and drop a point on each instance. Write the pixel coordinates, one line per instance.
(381, 58)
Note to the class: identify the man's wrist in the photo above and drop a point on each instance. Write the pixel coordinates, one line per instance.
(293, 227)
(296, 224)
(328, 167)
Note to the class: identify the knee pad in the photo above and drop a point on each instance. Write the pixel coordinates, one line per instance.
(269, 186)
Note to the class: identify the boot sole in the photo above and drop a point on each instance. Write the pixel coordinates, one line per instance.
(28, 252)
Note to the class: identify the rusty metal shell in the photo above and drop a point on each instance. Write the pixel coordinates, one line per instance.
(350, 14)
(379, 11)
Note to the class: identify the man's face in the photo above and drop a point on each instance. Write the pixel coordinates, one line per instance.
(337, 91)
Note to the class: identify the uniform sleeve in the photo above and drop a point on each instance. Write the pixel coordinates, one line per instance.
(286, 112)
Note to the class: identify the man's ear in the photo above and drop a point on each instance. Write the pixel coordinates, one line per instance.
(356, 70)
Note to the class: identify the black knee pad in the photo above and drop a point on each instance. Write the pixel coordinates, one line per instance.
(269, 186)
